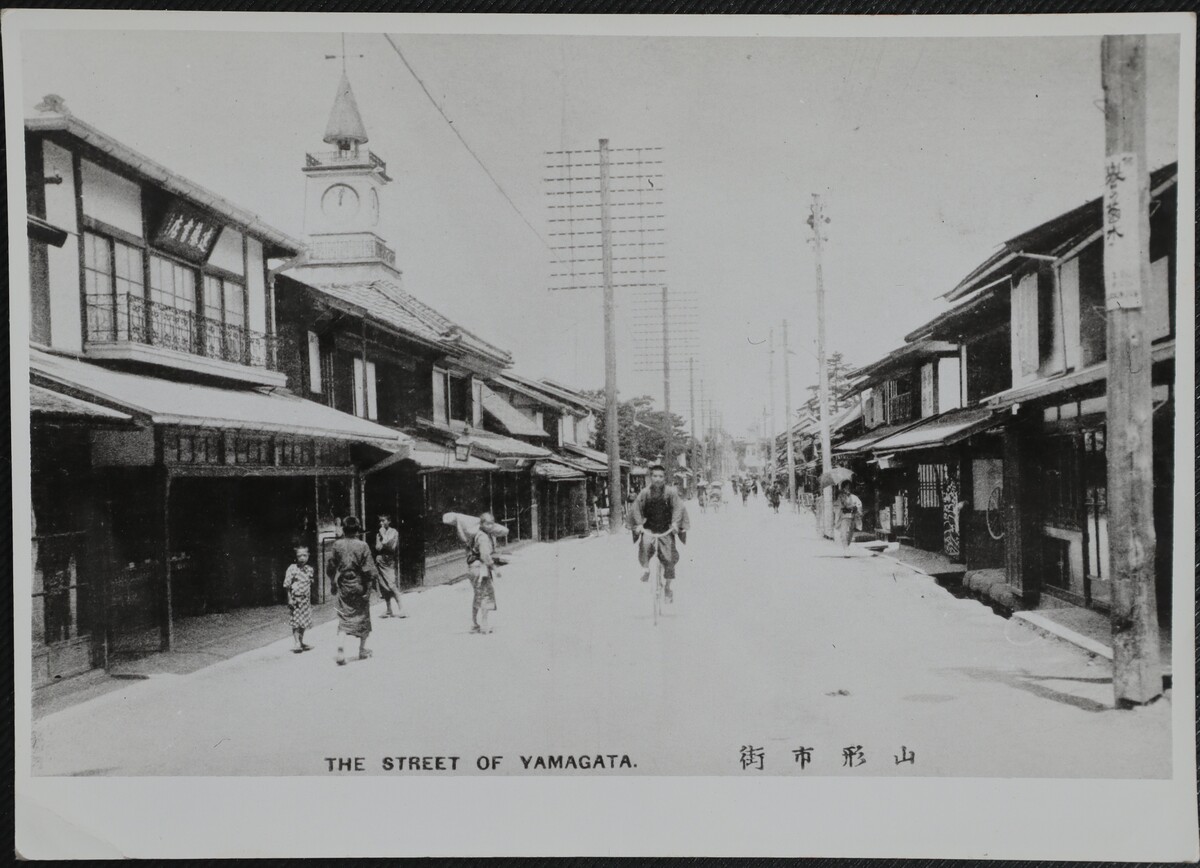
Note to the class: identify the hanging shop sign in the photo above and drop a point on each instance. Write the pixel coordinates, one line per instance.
(187, 231)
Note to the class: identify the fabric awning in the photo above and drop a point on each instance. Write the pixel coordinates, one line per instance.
(596, 455)
(431, 457)
(509, 417)
(167, 402)
(554, 471)
(943, 430)
(861, 443)
(44, 402)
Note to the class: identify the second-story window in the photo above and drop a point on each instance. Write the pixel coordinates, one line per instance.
(460, 399)
(112, 272)
(173, 305)
(366, 402)
(224, 319)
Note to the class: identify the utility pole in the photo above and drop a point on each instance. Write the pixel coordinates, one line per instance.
(1137, 671)
(616, 500)
(668, 446)
(815, 219)
(695, 468)
(787, 408)
(771, 388)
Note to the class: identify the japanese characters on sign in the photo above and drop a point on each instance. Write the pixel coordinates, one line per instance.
(187, 231)
(1122, 256)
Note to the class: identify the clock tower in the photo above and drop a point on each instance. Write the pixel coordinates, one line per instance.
(341, 212)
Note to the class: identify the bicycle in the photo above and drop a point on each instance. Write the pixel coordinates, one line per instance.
(656, 569)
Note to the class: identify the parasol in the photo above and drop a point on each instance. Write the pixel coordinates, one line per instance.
(836, 477)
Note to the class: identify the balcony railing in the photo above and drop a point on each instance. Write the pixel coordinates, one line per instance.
(133, 319)
(350, 157)
(344, 249)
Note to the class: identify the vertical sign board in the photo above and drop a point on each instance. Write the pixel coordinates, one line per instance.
(1122, 277)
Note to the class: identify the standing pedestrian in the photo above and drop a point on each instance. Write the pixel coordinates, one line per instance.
(387, 549)
(482, 560)
(847, 511)
(352, 571)
(297, 581)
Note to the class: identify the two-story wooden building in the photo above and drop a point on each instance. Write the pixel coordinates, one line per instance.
(352, 337)
(172, 472)
(1049, 285)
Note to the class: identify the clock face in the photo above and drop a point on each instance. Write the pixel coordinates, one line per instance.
(374, 200)
(340, 203)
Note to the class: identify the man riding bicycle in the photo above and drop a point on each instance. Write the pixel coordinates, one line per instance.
(658, 515)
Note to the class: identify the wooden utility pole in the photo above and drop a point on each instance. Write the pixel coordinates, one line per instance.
(816, 218)
(695, 467)
(771, 388)
(616, 500)
(787, 408)
(1137, 670)
(668, 445)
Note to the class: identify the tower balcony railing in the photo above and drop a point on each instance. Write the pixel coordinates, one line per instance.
(349, 249)
(133, 319)
(350, 157)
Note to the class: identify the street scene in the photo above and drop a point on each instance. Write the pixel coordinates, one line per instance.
(436, 404)
(776, 645)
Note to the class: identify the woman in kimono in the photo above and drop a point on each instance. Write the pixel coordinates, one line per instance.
(847, 510)
(352, 571)
(387, 547)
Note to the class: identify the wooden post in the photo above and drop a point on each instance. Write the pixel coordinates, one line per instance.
(815, 220)
(167, 636)
(1137, 672)
(668, 445)
(692, 416)
(535, 529)
(771, 389)
(616, 501)
(787, 409)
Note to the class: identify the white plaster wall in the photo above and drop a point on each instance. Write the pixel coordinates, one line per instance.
(949, 389)
(227, 253)
(256, 285)
(108, 197)
(65, 315)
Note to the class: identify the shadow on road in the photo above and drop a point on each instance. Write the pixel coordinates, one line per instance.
(1030, 684)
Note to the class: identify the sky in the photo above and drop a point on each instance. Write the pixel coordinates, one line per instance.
(927, 153)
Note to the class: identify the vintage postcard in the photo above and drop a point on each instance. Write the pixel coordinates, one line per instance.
(602, 436)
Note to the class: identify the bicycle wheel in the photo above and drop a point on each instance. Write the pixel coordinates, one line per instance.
(657, 585)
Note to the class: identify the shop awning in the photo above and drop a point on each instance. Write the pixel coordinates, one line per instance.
(44, 402)
(862, 443)
(553, 471)
(167, 402)
(943, 430)
(596, 455)
(580, 462)
(1066, 382)
(431, 457)
(509, 417)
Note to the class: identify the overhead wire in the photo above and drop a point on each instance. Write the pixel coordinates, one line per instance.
(459, 136)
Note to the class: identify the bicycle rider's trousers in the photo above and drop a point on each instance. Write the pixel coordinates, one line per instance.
(668, 553)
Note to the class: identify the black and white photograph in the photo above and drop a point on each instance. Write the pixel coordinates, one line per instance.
(438, 420)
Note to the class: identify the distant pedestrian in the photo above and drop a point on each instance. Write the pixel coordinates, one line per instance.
(387, 548)
(482, 561)
(352, 571)
(298, 581)
(847, 511)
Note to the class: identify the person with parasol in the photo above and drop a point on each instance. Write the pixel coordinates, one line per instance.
(847, 508)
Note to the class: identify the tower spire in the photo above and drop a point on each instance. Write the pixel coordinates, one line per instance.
(345, 127)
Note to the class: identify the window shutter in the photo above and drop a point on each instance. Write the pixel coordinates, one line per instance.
(927, 408)
(372, 394)
(314, 363)
(1158, 304)
(1025, 328)
(1068, 286)
(439, 397)
(359, 378)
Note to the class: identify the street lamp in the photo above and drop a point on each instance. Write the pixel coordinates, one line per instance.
(462, 449)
